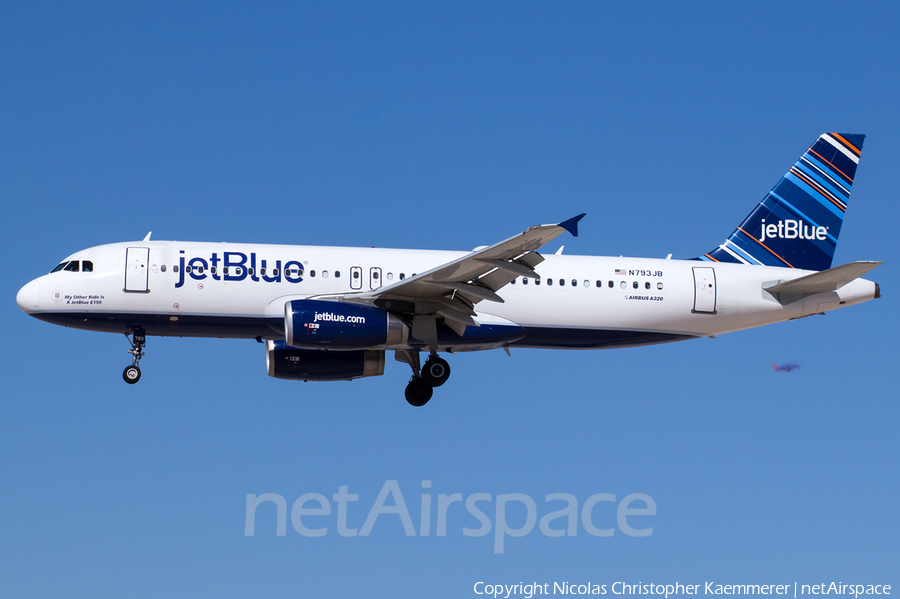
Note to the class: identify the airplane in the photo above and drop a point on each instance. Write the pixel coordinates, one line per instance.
(785, 367)
(331, 313)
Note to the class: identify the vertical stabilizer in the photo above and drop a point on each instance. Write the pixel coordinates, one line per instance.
(798, 223)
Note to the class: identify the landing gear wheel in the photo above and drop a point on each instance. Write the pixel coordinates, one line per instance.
(418, 392)
(436, 371)
(138, 341)
(132, 374)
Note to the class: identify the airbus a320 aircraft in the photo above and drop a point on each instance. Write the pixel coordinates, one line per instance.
(331, 313)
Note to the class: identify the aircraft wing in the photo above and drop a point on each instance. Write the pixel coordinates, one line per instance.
(452, 289)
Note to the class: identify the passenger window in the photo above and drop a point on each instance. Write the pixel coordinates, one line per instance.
(513, 281)
(72, 266)
(574, 283)
(524, 281)
(175, 269)
(562, 282)
(647, 285)
(188, 269)
(275, 272)
(537, 281)
(224, 270)
(549, 282)
(87, 266)
(337, 274)
(59, 267)
(587, 283)
(610, 284)
(355, 274)
(312, 273)
(324, 274)
(163, 268)
(200, 269)
(659, 286)
(237, 270)
(262, 272)
(402, 276)
(623, 285)
(635, 284)
(390, 276)
(250, 271)
(374, 275)
(213, 269)
(599, 283)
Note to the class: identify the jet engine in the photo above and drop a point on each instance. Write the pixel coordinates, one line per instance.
(317, 324)
(286, 362)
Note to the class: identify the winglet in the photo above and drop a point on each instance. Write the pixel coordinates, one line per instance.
(571, 225)
(147, 238)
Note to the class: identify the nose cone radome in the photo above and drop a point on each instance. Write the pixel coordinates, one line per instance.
(28, 297)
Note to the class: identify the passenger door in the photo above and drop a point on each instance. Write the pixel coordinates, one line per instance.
(704, 290)
(136, 271)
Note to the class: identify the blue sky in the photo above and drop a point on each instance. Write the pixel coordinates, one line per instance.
(445, 125)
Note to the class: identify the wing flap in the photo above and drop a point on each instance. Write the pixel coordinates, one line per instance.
(531, 260)
(474, 292)
(497, 279)
(514, 268)
(457, 317)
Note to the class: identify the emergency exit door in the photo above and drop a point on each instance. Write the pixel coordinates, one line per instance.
(374, 277)
(136, 271)
(356, 277)
(704, 290)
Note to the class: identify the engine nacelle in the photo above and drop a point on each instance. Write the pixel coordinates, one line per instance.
(315, 324)
(285, 362)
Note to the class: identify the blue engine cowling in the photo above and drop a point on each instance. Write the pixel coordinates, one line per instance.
(316, 324)
(286, 362)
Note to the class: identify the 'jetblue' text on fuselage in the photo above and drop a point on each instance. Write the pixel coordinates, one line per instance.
(237, 266)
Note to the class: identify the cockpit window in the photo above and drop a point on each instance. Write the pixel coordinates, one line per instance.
(59, 267)
(72, 266)
(87, 266)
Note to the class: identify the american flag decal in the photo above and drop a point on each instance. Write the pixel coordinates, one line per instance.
(621, 271)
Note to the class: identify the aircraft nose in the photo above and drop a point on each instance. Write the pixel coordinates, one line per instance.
(28, 297)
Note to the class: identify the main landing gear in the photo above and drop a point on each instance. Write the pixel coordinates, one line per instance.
(436, 371)
(421, 386)
(138, 341)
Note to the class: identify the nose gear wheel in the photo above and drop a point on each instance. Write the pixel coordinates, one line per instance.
(138, 341)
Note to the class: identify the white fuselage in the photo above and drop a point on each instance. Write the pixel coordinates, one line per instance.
(581, 302)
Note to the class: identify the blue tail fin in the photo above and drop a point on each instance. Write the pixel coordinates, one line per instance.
(797, 224)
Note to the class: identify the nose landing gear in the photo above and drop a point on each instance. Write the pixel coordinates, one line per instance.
(421, 386)
(138, 341)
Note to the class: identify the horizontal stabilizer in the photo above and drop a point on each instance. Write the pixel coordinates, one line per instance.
(827, 280)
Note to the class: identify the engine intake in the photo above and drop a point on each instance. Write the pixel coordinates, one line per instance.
(316, 324)
(286, 362)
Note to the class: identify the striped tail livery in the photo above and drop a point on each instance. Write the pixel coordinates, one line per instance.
(798, 223)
